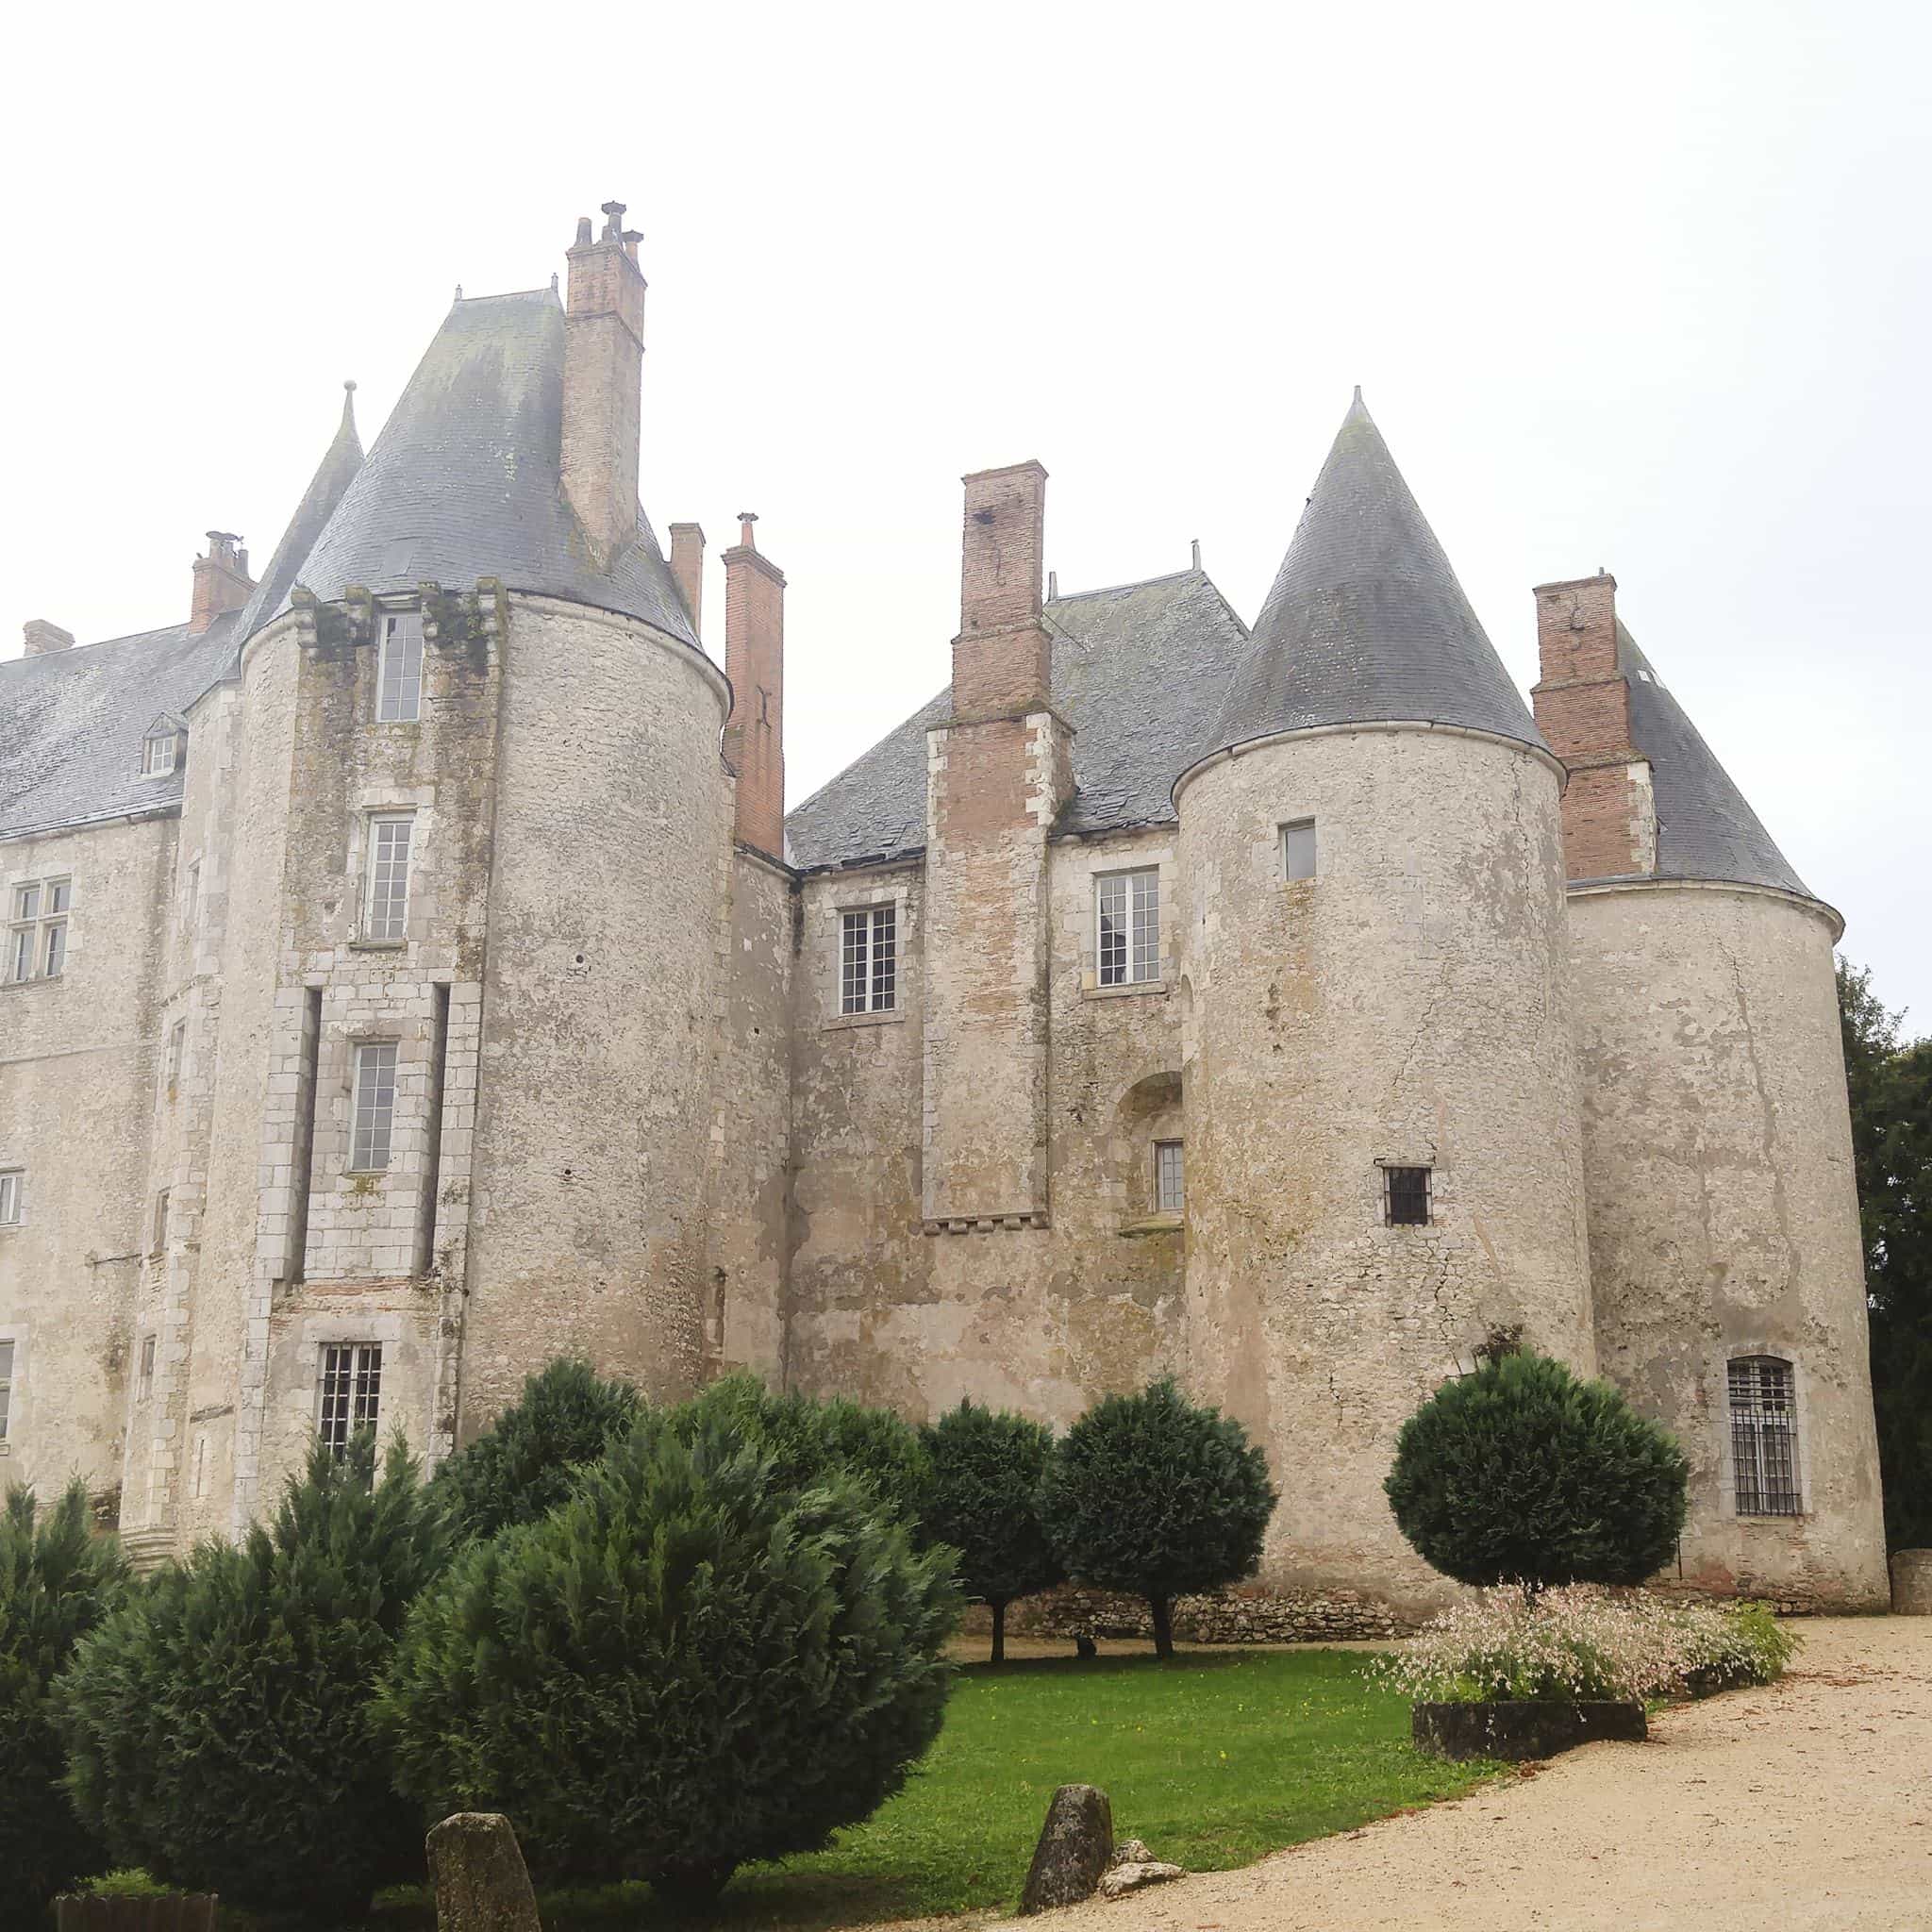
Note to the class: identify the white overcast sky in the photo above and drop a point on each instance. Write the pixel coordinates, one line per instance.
(1644, 286)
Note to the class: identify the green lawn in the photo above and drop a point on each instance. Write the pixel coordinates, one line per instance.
(1214, 1759)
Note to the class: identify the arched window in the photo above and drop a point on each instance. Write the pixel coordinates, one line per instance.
(1764, 1435)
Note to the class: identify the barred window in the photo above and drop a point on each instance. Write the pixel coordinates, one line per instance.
(12, 1196)
(1127, 927)
(1405, 1195)
(1170, 1178)
(388, 876)
(1298, 849)
(399, 674)
(37, 940)
(375, 1106)
(1764, 1435)
(351, 1390)
(5, 1385)
(869, 961)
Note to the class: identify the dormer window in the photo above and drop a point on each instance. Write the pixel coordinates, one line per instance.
(161, 746)
(399, 669)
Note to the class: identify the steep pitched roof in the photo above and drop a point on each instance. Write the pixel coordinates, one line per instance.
(70, 749)
(1704, 829)
(1138, 671)
(463, 481)
(1366, 621)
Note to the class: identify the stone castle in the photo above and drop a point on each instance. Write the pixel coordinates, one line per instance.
(411, 975)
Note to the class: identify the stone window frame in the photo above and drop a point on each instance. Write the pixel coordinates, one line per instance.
(359, 1048)
(13, 1411)
(1125, 876)
(12, 1198)
(360, 1345)
(387, 621)
(373, 820)
(878, 929)
(1385, 1165)
(1720, 1369)
(166, 734)
(857, 898)
(144, 1371)
(1179, 1203)
(174, 1055)
(42, 930)
(1158, 860)
(1308, 822)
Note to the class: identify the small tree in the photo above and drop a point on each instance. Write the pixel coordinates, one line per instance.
(218, 1724)
(1151, 1494)
(57, 1579)
(1522, 1473)
(984, 1499)
(685, 1667)
(523, 1467)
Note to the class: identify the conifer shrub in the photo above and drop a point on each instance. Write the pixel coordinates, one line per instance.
(1522, 1473)
(522, 1466)
(1155, 1494)
(983, 1498)
(218, 1724)
(57, 1581)
(686, 1666)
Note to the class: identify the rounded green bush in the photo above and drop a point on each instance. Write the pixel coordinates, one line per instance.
(218, 1723)
(1522, 1473)
(522, 1466)
(1155, 1494)
(57, 1579)
(983, 1498)
(685, 1667)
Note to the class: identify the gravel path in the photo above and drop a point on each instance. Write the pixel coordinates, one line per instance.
(1805, 1805)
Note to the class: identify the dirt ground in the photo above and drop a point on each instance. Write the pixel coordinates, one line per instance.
(1805, 1805)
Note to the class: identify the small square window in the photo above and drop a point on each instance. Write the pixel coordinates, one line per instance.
(1405, 1195)
(1170, 1178)
(12, 1196)
(399, 671)
(1298, 849)
(1126, 931)
(869, 961)
(351, 1391)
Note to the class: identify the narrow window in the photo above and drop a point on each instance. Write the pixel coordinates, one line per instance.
(301, 1160)
(432, 1162)
(37, 940)
(144, 1386)
(375, 1106)
(177, 1054)
(388, 876)
(159, 1243)
(1170, 1178)
(1298, 849)
(1764, 1435)
(869, 961)
(12, 1196)
(399, 676)
(200, 1467)
(5, 1385)
(188, 911)
(1127, 927)
(1407, 1195)
(351, 1390)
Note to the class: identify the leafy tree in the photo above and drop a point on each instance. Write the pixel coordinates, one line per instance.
(218, 1723)
(686, 1666)
(57, 1579)
(984, 1499)
(1522, 1473)
(1151, 1494)
(521, 1468)
(808, 1439)
(1891, 1084)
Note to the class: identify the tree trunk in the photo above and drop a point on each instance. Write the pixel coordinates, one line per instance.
(1163, 1626)
(999, 1633)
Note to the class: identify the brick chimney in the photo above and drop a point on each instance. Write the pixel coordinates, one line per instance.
(602, 374)
(43, 638)
(755, 663)
(1002, 658)
(221, 582)
(1582, 705)
(688, 567)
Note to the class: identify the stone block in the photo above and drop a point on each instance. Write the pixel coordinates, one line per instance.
(1912, 1583)
(476, 1869)
(1076, 1847)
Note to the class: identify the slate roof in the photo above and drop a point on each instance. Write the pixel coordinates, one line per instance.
(1139, 671)
(1366, 621)
(1704, 830)
(463, 481)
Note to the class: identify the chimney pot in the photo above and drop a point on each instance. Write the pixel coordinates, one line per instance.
(755, 663)
(43, 638)
(688, 567)
(1000, 658)
(221, 582)
(603, 370)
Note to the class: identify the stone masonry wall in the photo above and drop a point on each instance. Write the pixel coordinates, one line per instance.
(1409, 1005)
(1724, 1216)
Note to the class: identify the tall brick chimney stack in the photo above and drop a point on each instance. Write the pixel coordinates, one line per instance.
(43, 638)
(688, 567)
(221, 582)
(602, 376)
(1582, 705)
(1001, 658)
(755, 663)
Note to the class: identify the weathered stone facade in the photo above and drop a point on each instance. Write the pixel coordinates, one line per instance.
(1164, 997)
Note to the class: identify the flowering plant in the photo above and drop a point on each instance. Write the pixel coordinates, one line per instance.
(1585, 1644)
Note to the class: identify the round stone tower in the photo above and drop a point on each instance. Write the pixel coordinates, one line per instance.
(1383, 1165)
(1724, 1216)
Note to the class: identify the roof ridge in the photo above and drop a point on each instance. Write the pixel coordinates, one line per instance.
(1132, 584)
(101, 644)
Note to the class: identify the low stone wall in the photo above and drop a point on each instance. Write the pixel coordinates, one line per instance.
(1245, 1615)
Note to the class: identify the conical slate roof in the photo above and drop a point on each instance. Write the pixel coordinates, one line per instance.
(1704, 829)
(1366, 621)
(464, 480)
